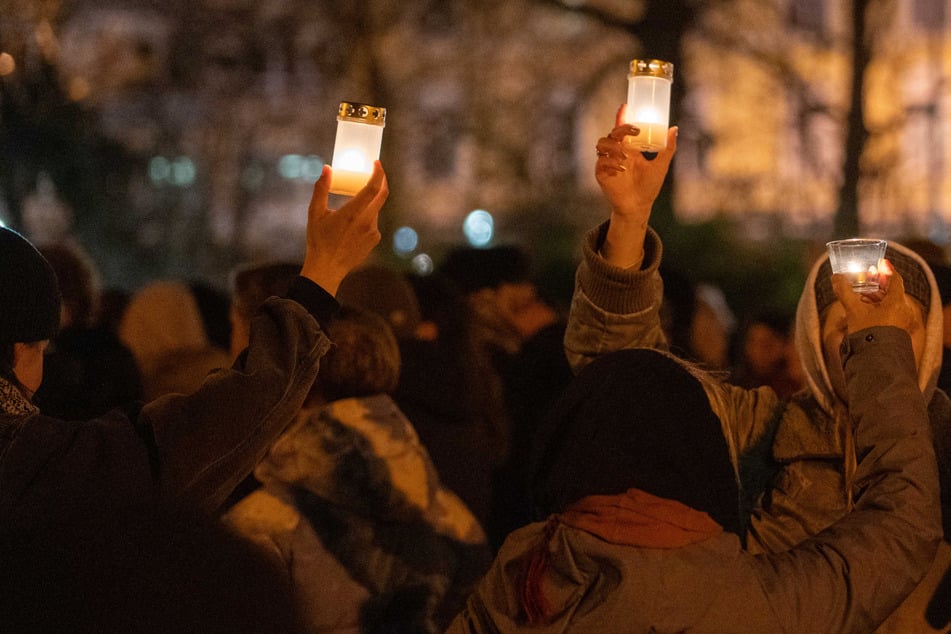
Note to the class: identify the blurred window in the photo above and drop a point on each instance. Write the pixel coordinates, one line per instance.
(809, 15)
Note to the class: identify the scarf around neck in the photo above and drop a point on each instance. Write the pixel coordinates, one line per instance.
(12, 400)
(633, 518)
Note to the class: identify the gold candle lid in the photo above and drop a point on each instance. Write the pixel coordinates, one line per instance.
(362, 113)
(652, 68)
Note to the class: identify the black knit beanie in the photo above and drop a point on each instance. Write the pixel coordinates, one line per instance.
(635, 419)
(29, 295)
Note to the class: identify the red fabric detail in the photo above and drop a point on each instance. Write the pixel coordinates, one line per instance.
(634, 518)
(535, 605)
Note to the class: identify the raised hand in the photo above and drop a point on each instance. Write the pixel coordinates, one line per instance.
(339, 241)
(889, 306)
(630, 183)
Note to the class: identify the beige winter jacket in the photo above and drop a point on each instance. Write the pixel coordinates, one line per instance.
(794, 450)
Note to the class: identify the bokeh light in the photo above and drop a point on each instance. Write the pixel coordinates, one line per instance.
(180, 171)
(405, 240)
(299, 167)
(310, 168)
(422, 264)
(478, 228)
(183, 171)
(7, 64)
(159, 169)
(290, 165)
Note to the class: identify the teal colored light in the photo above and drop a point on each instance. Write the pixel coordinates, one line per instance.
(183, 171)
(159, 169)
(290, 166)
(310, 167)
(478, 228)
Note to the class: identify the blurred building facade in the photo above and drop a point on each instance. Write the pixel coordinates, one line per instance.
(765, 123)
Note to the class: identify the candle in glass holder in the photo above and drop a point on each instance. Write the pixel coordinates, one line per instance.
(858, 259)
(648, 102)
(357, 146)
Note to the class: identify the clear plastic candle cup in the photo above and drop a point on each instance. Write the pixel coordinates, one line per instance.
(356, 147)
(859, 259)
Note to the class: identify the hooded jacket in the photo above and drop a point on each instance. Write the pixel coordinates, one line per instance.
(610, 573)
(352, 508)
(794, 451)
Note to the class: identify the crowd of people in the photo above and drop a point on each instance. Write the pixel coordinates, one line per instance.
(335, 446)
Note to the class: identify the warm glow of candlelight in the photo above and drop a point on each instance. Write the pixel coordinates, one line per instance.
(347, 182)
(859, 260)
(647, 115)
(357, 146)
(648, 103)
(353, 160)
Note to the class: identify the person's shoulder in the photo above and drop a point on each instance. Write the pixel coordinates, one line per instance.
(22, 425)
(10, 425)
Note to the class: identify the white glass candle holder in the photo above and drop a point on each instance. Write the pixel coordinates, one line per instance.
(648, 102)
(356, 147)
(859, 259)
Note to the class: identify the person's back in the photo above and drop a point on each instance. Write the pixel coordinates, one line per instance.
(641, 519)
(351, 505)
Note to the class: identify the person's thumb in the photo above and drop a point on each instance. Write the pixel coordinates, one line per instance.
(895, 285)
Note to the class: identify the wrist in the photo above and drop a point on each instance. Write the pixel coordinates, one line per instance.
(328, 277)
(631, 213)
(623, 245)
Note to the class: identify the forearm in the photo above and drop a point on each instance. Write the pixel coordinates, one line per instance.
(855, 573)
(624, 240)
(614, 308)
(208, 441)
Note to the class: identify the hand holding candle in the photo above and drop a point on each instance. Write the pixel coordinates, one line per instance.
(887, 306)
(630, 184)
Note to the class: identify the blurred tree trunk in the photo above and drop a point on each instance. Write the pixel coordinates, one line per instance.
(846, 222)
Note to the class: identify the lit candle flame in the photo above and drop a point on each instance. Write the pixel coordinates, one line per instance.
(354, 160)
(647, 115)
